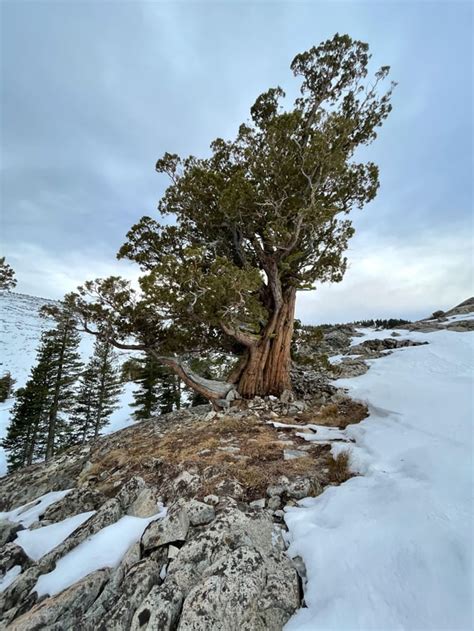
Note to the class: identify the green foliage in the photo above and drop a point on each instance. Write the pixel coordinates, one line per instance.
(7, 276)
(6, 386)
(390, 323)
(158, 390)
(97, 397)
(263, 216)
(39, 426)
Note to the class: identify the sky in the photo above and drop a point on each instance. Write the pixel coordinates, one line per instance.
(93, 93)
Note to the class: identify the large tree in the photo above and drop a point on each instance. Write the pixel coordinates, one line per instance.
(265, 215)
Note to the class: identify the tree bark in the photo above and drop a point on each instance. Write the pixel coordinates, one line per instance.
(267, 371)
(212, 390)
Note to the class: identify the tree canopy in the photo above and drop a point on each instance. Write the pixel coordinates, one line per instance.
(265, 215)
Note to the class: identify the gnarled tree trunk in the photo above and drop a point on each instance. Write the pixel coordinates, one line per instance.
(267, 369)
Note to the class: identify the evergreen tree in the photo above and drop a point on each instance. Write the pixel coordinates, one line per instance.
(82, 419)
(66, 367)
(7, 275)
(40, 425)
(6, 386)
(262, 216)
(158, 390)
(98, 392)
(25, 440)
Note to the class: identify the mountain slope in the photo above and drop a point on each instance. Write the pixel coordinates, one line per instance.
(21, 327)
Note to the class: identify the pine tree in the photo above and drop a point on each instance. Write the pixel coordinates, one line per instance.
(83, 413)
(40, 425)
(66, 367)
(98, 392)
(159, 390)
(7, 276)
(6, 386)
(26, 433)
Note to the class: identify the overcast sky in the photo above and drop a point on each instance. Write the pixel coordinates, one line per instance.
(94, 92)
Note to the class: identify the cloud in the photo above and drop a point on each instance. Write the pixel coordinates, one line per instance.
(392, 279)
(50, 275)
(92, 97)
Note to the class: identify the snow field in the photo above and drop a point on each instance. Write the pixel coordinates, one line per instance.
(392, 549)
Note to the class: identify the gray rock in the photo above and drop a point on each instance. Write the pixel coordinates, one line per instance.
(77, 501)
(287, 396)
(258, 503)
(297, 488)
(134, 588)
(231, 488)
(212, 499)
(8, 530)
(274, 503)
(145, 504)
(160, 610)
(130, 491)
(199, 513)
(243, 589)
(174, 527)
(68, 606)
(12, 554)
(108, 513)
(111, 592)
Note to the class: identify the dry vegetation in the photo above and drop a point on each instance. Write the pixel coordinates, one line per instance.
(341, 414)
(248, 451)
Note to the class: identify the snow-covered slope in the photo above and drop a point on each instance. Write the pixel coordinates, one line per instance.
(20, 331)
(392, 549)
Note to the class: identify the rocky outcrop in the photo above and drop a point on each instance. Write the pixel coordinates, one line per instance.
(199, 568)
(376, 346)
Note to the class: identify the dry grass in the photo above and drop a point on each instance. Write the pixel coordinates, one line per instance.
(339, 467)
(202, 447)
(341, 414)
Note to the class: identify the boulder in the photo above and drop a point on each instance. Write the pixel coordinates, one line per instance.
(173, 528)
(199, 513)
(80, 500)
(160, 610)
(68, 606)
(8, 530)
(145, 504)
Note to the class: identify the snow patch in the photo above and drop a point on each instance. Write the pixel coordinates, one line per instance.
(7, 579)
(104, 549)
(36, 543)
(31, 512)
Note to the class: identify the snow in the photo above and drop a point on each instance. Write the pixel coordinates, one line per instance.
(31, 512)
(461, 318)
(36, 543)
(391, 549)
(323, 433)
(7, 579)
(104, 549)
(375, 334)
(122, 417)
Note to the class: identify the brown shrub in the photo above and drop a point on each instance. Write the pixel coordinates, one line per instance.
(339, 467)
